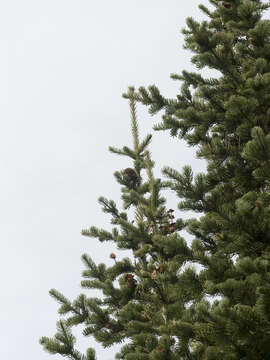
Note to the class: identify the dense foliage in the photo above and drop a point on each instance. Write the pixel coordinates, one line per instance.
(220, 308)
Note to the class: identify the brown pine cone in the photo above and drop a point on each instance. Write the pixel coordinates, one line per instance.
(129, 279)
(131, 174)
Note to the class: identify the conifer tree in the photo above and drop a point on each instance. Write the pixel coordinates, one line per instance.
(227, 119)
(146, 297)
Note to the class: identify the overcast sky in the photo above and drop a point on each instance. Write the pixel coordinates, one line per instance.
(63, 67)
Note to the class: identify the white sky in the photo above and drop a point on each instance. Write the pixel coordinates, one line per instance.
(63, 68)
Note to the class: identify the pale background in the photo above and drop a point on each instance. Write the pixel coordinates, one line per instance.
(63, 67)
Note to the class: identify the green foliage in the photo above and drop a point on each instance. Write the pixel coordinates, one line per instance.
(142, 296)
(209, 299)
(227, 119)
(63, 343)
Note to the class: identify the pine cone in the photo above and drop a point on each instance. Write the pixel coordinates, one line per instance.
(132, 176)
(129, 279)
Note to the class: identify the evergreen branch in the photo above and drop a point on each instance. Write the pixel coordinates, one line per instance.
(125, 151)
(66, 305)
(205, 10)
(120, 267)
(139, 216)
(108, 206)
(90, 354)
(94, 232)
(93, 271)
(135, 197)
(62, 343)
(130, 228)
(152, 184)
(145, 143)
(59, 297)
(93, 284)
(134, 123)
(132, 154)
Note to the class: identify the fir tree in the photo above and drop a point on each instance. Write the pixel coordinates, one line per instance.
(146, 297)
(227, 118)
